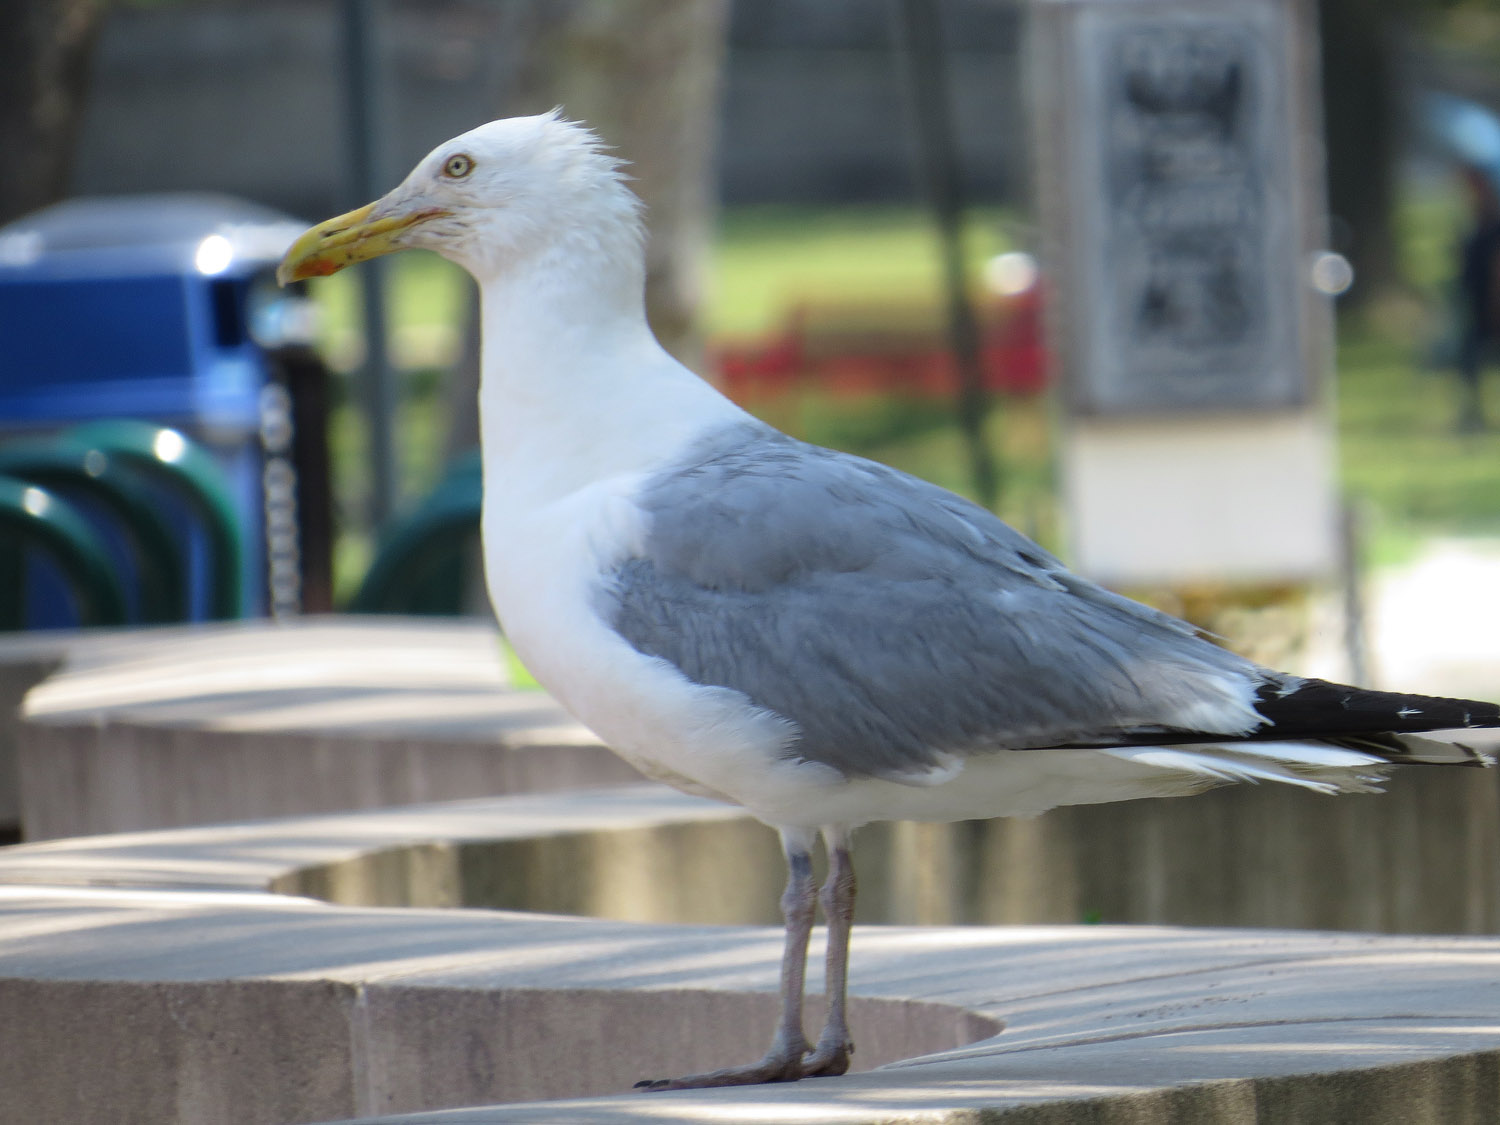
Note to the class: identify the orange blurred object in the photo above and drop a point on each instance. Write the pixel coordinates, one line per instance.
(859, 349)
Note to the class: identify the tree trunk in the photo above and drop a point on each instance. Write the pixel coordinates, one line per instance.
(645, 75)
(1361, 118)
(45, 50)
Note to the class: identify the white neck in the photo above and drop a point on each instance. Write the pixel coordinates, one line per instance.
(570, 366)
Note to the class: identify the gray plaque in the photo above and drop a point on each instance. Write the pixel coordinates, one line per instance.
(1184, 251)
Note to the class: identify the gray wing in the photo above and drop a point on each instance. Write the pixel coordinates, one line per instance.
(896, 623)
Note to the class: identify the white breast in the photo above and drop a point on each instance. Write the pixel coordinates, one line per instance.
(546, 566)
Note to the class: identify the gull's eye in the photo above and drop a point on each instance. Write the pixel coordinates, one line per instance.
(457, 166)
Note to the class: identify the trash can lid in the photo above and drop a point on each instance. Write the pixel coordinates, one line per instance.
(180, 230)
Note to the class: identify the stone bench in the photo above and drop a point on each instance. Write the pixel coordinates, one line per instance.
(151, 976)
(194, 725)
(250, 720)
(298, 969)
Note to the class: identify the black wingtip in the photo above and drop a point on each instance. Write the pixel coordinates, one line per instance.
(1314, 708)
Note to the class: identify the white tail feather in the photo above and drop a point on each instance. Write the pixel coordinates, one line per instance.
(1322, 768)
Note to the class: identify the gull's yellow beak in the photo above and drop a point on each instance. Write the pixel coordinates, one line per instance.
(346, 239)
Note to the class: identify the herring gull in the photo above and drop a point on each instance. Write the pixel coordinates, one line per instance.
(818, 638)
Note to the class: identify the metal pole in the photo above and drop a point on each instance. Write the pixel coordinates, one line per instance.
(920, 51)
(364, 102)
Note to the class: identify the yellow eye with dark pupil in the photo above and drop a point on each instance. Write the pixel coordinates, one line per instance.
(459, 166)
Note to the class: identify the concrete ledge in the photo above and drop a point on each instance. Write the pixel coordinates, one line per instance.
(153, 976)
(1122, 1088)
(25, 661)
(149, 977)
(198, 725)
(226, 723)
(373, 1012)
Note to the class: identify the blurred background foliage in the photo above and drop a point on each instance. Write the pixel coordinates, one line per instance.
(1396, 213)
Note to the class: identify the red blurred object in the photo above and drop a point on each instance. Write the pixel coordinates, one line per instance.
(876, 349)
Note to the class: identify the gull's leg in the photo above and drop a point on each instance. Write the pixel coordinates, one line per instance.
(831, 1055)
(783, 1062)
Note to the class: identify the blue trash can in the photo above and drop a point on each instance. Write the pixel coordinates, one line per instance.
(153, 307)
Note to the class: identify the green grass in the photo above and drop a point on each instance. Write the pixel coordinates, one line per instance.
(1411, 475)
(1400, 459)
(1426, 225)
(767, 260)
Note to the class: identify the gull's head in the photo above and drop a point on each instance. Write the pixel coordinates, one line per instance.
(487, 199)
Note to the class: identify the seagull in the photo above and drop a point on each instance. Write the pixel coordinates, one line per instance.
(815, 637)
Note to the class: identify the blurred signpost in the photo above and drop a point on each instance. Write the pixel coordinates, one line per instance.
(1181, 202)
